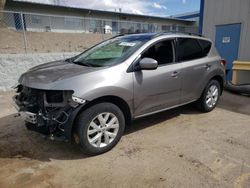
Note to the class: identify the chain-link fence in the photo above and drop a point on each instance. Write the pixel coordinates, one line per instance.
(29, 32)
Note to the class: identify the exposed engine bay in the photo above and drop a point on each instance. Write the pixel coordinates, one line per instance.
(45, 111)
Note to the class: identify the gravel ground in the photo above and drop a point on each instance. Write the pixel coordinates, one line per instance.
(178, 148)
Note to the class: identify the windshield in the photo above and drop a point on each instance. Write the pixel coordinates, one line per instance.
(110, 52)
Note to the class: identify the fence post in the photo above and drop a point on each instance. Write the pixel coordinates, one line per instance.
(84, 25)
(102, 30)
(50, 23)
(119, 26)
(24, 34)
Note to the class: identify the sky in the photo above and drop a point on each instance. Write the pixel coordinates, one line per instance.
(145, 7)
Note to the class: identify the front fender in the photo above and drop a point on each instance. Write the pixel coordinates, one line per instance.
(70, 122)
(123, 93)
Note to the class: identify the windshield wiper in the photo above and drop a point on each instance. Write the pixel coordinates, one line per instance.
(82, 63)
(70, 60)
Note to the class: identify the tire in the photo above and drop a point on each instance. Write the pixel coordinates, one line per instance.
(104, 122)
(203, 103)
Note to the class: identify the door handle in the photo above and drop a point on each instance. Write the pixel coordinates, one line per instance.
(207, 66)
(175, 74)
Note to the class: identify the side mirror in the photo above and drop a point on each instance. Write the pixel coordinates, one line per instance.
(148, 64)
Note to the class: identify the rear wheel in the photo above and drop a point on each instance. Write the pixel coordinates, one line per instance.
(100, 127)
(210, 96)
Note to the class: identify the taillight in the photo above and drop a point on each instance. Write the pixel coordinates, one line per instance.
(223, 62)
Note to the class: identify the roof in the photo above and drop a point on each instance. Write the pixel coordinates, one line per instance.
(93, 10)
(187, 15)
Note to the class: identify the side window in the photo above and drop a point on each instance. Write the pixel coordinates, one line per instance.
(161, 52)
(206, 45)
(189, 49)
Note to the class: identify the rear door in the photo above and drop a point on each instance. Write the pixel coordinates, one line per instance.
(192, 55)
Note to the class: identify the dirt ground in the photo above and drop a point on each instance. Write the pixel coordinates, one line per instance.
(177, 148)
(12, 42)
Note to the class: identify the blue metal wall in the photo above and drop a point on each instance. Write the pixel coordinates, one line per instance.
(227, 39)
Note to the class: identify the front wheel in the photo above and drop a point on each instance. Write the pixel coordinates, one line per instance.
(100, 127)
(210, 96)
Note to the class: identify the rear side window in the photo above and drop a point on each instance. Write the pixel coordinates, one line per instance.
(189, 49)
(206, 45)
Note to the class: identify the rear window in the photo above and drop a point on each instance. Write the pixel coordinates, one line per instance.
(206, 45)
(189, 49)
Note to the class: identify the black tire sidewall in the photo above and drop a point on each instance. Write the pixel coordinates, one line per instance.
(87, 116)
(204, 105)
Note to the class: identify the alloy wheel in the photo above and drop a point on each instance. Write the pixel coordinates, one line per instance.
(103, 129)
(212, 96)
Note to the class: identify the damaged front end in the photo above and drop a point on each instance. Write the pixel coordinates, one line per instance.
(47, 111)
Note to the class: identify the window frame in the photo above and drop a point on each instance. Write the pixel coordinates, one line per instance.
(36, 19)
(177, 50)
(173, 43)
(72, 22)
(199, 41)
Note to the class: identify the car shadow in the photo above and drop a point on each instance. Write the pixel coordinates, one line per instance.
(17, 142)
(148, 121)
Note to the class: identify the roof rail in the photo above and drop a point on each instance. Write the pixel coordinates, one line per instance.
(131, 33)
(179, 32)
(159, 34)
(122, 34)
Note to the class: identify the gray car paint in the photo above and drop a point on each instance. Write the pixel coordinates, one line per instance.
(145, 91)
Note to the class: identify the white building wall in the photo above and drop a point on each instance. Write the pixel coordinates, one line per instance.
(13, 65)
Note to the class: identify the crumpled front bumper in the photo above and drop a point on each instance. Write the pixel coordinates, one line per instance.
(33, 122)
(25, 115)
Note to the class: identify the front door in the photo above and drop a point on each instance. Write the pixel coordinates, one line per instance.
(227, 41)
(157, 89)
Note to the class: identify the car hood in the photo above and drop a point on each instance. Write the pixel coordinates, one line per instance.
(47, 75)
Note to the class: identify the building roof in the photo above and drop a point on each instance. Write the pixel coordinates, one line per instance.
(25, 2)
(187, 15)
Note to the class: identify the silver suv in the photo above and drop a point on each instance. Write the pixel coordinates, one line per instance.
(91, 97)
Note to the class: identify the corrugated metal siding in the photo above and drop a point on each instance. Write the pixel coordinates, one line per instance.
(219, 12)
